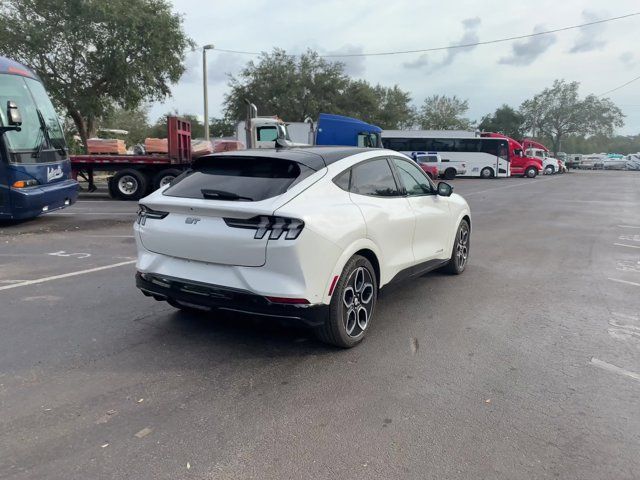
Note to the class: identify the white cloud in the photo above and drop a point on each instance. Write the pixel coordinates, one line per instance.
(590, 38)
(354, 66)
(527, 51)
(470, 35)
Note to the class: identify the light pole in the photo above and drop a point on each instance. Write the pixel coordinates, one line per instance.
(204, 88)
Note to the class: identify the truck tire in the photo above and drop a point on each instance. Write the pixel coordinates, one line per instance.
(129, 184)
(450, 173)
(352, 305)
(486, 172)
(531, 172)
(165, 176)
(549, 170)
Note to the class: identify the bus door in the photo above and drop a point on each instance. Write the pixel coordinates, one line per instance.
(502, 159)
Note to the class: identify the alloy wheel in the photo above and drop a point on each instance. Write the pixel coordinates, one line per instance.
(462, 246)
(358, 301)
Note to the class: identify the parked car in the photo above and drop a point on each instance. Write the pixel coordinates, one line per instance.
(592, 161)
(633, 161)
(614, 161)
(574, 160)
(309, 234)
(428, 165)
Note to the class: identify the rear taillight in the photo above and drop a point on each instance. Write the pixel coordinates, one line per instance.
(262, 224)
(145, 212)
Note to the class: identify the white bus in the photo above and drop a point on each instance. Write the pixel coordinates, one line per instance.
(484, 157)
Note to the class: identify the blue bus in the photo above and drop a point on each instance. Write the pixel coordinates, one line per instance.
(35, 171)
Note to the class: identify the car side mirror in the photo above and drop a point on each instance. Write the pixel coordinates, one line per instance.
(444, 189)
(13, 114)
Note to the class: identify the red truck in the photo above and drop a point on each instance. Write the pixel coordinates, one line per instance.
(520, 164)
(136, 175)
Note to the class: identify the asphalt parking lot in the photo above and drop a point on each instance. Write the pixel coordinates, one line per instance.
(526, 366)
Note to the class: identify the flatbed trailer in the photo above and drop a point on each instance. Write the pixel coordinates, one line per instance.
(137, 175)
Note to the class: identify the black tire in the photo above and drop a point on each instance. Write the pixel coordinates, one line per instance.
(549, 170)
(112, 188)
(460, 252)
(486, 172)
(450, 173)
(335, 331)
(531, 172)
(129, 184)
(165, 176)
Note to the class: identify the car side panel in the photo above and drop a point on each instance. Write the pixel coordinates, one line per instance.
(434, 227)
(332, 224)
(390, 224)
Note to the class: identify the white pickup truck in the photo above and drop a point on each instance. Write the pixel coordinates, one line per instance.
(550, 165)
(447, 169)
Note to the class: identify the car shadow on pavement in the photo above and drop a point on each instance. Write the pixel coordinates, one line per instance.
(244, 334)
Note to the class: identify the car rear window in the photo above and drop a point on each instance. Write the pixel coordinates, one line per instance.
(246, 179)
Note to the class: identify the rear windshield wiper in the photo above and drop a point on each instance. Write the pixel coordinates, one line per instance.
(222, 195)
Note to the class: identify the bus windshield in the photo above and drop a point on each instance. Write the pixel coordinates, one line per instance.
(33, 138)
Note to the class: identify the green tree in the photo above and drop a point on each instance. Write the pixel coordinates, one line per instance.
(93, 54)
(439, 112)
(134, 121)
(293, 87)
(221, 127)
(297, 87)
(504, 120)
(600, 143)
(558, 111)
(159, 128)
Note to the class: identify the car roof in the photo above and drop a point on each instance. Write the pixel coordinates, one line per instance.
(312, 157)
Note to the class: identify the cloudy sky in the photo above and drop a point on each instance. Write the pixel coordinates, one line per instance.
(601, 57)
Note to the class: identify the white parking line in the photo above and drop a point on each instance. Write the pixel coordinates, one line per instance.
(625, 245)
(614, 368)
(627, 226)
(624, 281)
(65, 275)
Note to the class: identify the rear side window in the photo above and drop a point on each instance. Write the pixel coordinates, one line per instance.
(246, 179)
(374, 178)
(343, 180)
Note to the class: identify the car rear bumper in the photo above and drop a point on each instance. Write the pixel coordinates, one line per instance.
(209, 296)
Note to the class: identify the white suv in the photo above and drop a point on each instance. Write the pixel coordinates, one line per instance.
(309, 234)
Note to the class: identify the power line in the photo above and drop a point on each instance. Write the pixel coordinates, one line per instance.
(619, 86)
(464, 45)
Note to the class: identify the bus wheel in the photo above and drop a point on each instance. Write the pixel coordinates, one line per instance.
(450, 173)
(164, 177)
(531, 172)
(129, 184)
(486, 172)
